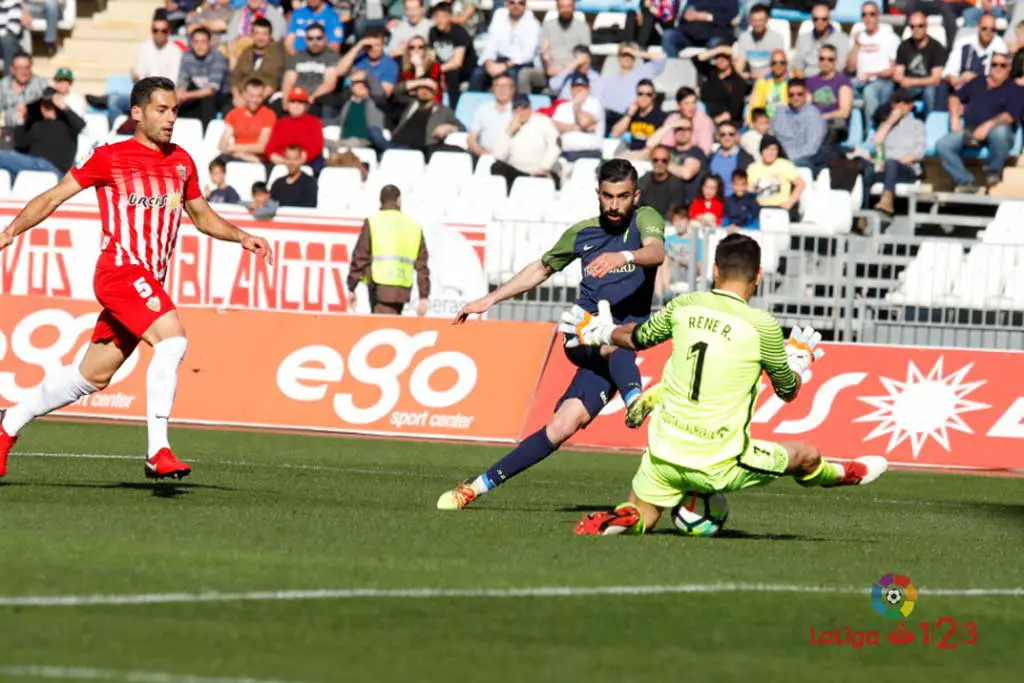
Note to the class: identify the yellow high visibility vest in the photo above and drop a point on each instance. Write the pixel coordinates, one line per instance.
(394, 245)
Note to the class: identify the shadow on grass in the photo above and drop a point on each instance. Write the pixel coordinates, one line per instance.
(167, 489)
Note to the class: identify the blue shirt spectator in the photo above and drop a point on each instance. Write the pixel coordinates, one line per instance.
(384, 69)
(742, 212)
(315, 12)
(729, 157)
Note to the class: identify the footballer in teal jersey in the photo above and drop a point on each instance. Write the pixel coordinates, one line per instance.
(620, 251)
(699, 434)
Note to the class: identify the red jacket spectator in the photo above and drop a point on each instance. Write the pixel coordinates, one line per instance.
(298, 128)
(714, 206)
(434, 75)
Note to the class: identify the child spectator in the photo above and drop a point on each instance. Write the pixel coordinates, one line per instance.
(760, 124)
(674, 275)
(708, 207)
(262, 206)
(741, 208)
(219, 192)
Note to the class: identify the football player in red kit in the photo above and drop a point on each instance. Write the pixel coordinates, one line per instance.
(142, 186)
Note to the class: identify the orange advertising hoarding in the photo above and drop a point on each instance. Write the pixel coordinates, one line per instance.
(391, 376)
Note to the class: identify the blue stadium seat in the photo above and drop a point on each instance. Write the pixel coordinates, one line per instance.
(540, 101)
(119, 84)
(596, 6)
(935, 126)
(847, 11)
(790, 15)
(856, 135)
(469, 102)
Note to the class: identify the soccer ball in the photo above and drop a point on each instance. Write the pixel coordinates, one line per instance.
(701, 514)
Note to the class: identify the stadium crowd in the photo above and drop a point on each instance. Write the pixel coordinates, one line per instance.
(390, 75)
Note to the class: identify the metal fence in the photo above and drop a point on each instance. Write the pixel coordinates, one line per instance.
(874, 289)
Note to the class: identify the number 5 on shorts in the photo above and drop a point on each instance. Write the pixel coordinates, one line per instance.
(143, 288)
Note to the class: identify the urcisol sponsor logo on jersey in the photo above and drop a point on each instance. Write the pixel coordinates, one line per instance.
(158, 201)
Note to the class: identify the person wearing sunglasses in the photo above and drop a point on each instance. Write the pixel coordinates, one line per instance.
(971, 56)
(314, 70)
(641, 121)
(729, 156)
(202, 81)
(454, 49)
(983, 112)
(831, 92)
(419, 64)
(619, 90)
(560, 39)
(316, 12)
(809, 43)
(513, 43)
(873, 59)
(919, 62)
(414, 25)
(802, 130)
(770, 92)
(997, 8)
(158, 56)
(752, 52)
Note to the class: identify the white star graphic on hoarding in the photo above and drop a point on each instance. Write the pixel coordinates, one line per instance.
(922, 407)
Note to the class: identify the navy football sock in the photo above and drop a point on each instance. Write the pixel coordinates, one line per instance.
(625, 374)
(528, 453)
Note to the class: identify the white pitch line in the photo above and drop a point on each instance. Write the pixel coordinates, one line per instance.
(79, 673)
(434, 593)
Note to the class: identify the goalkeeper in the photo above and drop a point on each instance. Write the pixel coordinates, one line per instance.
(699, 435)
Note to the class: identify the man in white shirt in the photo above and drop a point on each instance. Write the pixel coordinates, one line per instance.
(491, 118)
(873, 58)
(527, 147)
(580, 122)
(513, 39)
(559, 36)
(972, 55)
(414, 24)
(156, 57)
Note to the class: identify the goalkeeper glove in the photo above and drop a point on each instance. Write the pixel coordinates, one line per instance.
(802, 348)
(580, 327)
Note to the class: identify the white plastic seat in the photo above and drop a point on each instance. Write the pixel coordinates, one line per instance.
(214, 132)
(483, 165)
(781, 27)
(642, 167)
(465, 212)
(118, 122)
(28, 184)
(188, 134)
(241, 175)
(450, 166)
(332, 133)
(584, 172)
(97, 126)
(533, 191)
(458, 139)
(488, 189)
(408, 162)
(929, 278)
(5, 183)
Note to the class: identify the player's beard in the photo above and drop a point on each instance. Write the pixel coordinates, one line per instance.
(616, 221)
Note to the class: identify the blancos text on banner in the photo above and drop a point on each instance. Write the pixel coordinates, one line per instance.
(394, 376)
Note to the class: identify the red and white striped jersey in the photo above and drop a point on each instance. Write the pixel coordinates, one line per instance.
(141, 194)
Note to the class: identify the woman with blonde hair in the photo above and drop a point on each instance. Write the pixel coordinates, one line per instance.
(419, 63)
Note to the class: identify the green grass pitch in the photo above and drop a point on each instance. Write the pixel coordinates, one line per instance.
(265, 512)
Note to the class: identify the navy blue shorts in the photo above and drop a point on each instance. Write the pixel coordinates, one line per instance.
(592, 384)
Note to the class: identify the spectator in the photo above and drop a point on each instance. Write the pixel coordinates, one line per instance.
(262, 61)
(617, 93)
(808, 45)
(512, 42)
(48, 140)
(527, 147)
(297, 188)
(972, 55)
(760, 125)
(729, 156)
(559, 39)
(368, 55)
(642, 120)
(62, 83)
(703, 127)
(660, 189)
(315, 13)
(741, 208)
(466, 13)
(415, 25)
(775, 180)
(752, 53)
(51, 11)
(689, 162)
(704, 23)
(215, 16)
(581, 65)
(17, 89)
(218, 191)
(156, 57)
(948, 10)
(314, 70)
(175, 11)
(1017, 49)
(359, 113)
(11, 28)
(709, 207)
(419, 64)
(919, 62)
(831, 92)
(241, 25)
(983, 112)
(771, 93)
(724, 91)
(202, 81)
(972, 15)
(904, 142)
(580, 122)
(674, 274)
(801, 129)
(424, 125)
(298, 129)
(261, 206)
(872, 58)
(389, 250)
(492, 118)
(247, 128)
(454, 49)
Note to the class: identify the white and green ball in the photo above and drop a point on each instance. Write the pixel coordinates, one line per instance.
(701, 514)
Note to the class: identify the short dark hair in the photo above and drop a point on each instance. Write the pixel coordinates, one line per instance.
(739, 174)
(617, 171)
(21, 55)
(316, 26)
(759, 7)
(830, 47)
(738, 257)
(684, 92)
(294, 148)
(797, 82)
(758, 112)
(143, 90)
(253, 83)
(389, 194)
(259, 186)
(822, 3)
(375, 32)
(677, 210)
(203, 30)
(732, 124)
(218, 163)
(644, 81)
(262, 23)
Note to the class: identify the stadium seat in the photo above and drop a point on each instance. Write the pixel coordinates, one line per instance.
(337, 187)
(403, 162)
(982, 279)
(489, 190)
(118, 122)
(280, 171)
(459, 139)
(450, 166)
(936, 126)
(30, 183)
(929, 278)
(806, 26)
(97, 126)
(1014, 291)
(5, 183)
(465, 212)
(366, 155)
(188, 134)
(119, 84)
(469, 102)
(848, 11)
(677, 73)
(610, 148)
(214, 132)
(68, 16)
(483, 165)
(642, 167)
(332, 133)
(790, 14)
(855, 137)
(539, 101)
(530, 190)
(584, 172)
(781, 27)
(242, 174)
(608, 20)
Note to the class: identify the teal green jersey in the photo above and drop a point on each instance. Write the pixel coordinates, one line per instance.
(720, 345)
